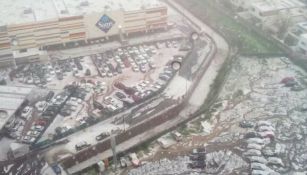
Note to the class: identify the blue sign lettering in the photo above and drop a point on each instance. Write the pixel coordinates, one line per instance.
(105, 23)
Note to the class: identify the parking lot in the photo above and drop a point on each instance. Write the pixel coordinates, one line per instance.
(91, 88)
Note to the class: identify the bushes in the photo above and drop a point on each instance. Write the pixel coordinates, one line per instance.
(237, 32)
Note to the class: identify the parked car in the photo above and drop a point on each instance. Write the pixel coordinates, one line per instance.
(123, 162)
(39, 128)
(246, 124)
(102, 136)
(81, 145)
(27, 112)
(56, 169)
(164, 77)
(251, 135)
(49, 96)
(120, 95)
(197, 165)
(143, 68)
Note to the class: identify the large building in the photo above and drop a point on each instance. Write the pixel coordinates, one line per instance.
(20, 43)
(271, 14)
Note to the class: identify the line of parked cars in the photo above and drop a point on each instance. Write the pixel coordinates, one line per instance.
(138, 58)
(40, 74)
(127, 96)
(17, 124)
(112, 63)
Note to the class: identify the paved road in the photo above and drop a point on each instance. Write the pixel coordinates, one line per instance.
(203, 87)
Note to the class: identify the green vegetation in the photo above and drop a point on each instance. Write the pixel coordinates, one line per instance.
(88, 171)
(183, 129)
(92, 172)
(145, 147)
(248, 41)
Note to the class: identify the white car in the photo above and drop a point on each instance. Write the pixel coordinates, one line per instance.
(257, 159)
(264, 123)
(275, 161)
(41, 106)
(33, 133)
(39, 127)
(252, 152)
(109, 74)
(49, 79)
(265, 128)
(258, 166)
(254, 146)
(103, 74)
(26, 138)
(27, 112)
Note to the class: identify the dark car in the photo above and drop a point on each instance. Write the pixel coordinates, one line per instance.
(98, 105)
(197, 165)
(101, 136)
(65, 112)
(119, 70)
(49, 96)
(60, 76)
(251, 135)
(164, 77)
(120, 95)
(246, 124)
(56, 169)
(88, 72)
(200, 157)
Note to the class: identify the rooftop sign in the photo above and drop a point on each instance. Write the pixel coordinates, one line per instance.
(105, 23)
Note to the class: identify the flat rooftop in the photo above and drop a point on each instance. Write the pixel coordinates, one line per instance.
(276, 5)
(11, 98)
(22, 11)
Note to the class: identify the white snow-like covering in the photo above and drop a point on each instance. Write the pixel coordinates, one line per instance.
(177, 88)
(14, 10)
(207, 127)
(89, 135)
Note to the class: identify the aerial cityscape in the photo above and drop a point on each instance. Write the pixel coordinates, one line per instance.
(153, 87)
